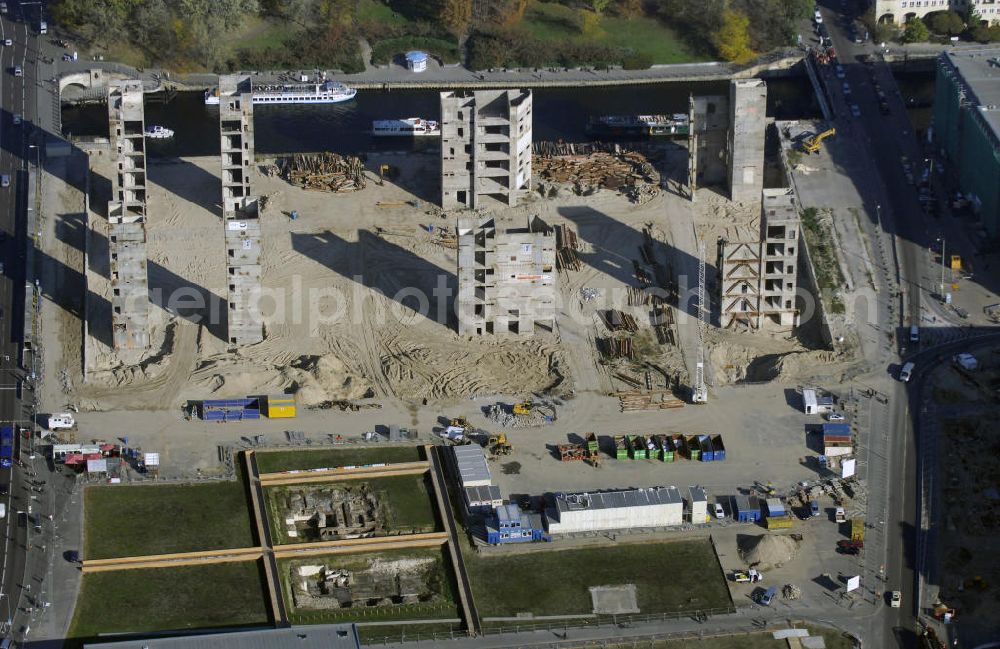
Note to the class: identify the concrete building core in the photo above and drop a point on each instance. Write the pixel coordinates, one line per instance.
(506, 278)
(127, 217)
(745, 151)
(726, 140)
(240, 214)
(485, 148)
(758, 277)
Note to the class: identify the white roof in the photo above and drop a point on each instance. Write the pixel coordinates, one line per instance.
(97, 466)
(151, 459)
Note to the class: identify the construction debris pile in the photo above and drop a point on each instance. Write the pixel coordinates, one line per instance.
(767, 551)
(629, 172)
(616, 320)
(566, 247)
(521, 415)
(326, 172)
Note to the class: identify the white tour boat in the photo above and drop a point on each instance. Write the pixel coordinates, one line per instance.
(409, 127)
(329, 92)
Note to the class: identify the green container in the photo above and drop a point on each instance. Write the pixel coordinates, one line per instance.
(621, 450)
(694, 452)
(638, 448)
(668, 456)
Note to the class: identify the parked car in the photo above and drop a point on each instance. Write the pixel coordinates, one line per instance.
(768, 596)
(839, 70)
(719, 511)
(818, 17)
(4, 180)
(896, 599)
(18, 72)
(846, 88)
(17, 118)
(7, 42)
(814, 507)
(855, 111)
(906, 372)
(834, 416)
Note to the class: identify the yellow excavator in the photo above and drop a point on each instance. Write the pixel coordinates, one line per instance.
(815, 143)
(498, 444)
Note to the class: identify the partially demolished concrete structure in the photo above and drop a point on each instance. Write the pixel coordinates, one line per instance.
(506, 278)
(127, 217)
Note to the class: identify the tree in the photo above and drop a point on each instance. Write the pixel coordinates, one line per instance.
(599, 5)
(946, 22)
(455, 15)
(985, 33)
(732, 39)
(628, 8)
(915, 32)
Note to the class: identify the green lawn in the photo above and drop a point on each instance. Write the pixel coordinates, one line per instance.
(406, 501)
(669, 577)
(276, 461)
(441, 583)
(642, 34)
(378, 12)
(160, 519)
(193, 597)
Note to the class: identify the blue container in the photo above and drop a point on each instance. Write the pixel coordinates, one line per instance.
(720, 448)
(707, 452)
(6, 434)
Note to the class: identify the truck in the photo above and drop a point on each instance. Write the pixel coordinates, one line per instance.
(61, 421)
(747, 577)
(857, 529)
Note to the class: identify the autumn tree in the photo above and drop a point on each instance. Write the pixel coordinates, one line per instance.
(732, 39)
(454, 15)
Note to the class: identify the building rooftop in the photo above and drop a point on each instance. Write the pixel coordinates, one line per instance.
(980, 72)
(318, 636)
(472, 466)
(644, 497)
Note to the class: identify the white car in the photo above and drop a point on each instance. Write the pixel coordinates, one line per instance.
(834, 416)
(896, 599)
(7, 42)
(818, 17)
(906, 372)
(720, 513)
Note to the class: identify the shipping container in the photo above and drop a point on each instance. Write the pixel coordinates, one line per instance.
(280, 406)
(720, 448)
(691, 447)
(621, 449)
(592, 444)
(230, 409)
(857, 529)
(747, 509)
(775, 507)
(6, 434)
(666, 449)
(779, 522)
(707, 451)
(637, 445)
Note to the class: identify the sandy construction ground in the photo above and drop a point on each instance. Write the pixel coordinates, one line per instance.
(359, 295)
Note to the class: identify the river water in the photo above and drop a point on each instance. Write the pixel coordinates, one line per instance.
(559, 113)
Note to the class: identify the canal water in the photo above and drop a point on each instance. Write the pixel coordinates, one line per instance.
(559, 114)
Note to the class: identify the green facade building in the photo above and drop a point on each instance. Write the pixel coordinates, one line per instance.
(967, 127)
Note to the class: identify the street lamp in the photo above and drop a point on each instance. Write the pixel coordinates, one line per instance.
(878, 214)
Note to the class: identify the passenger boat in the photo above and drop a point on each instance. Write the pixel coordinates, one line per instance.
(639, 125)
(409, 127)
(329, 92)
(158, 132)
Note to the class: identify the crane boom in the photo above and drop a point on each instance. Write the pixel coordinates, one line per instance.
(699, 393)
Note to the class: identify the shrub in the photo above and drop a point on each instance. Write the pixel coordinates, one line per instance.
(556, 15)
(637, 61)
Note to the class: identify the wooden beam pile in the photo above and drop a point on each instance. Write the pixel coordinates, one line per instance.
(566, 243)
(615, 348)
(648, 400)
(327, 172)
(616, 320)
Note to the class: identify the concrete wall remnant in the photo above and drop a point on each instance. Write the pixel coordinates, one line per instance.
(745, 151)
(240, 213)
(127, 217)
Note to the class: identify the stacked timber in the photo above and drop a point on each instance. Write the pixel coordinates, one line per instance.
(327, 172)
(615, 348)
(616, 320)
(648, 400)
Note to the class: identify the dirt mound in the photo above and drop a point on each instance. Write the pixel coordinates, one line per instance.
(767, 551)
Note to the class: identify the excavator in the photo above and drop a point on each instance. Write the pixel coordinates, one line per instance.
(814, 143)
(498, 444)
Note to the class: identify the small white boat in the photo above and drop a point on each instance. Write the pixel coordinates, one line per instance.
(158, 132)
(409, 127)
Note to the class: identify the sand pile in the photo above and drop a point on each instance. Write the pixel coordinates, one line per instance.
(767, 551)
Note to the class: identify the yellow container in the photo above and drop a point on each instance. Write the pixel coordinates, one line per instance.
(280, 407)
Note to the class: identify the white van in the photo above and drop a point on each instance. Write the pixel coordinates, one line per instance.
(3, 510)
(906, 372)
(914, 334)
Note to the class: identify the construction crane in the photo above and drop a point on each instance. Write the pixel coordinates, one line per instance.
(699, 393)
(814, 143)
